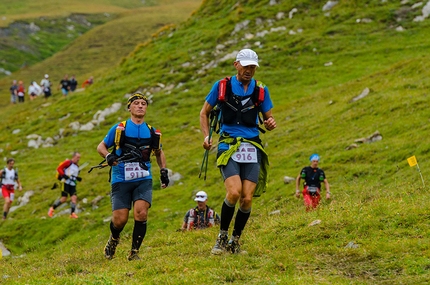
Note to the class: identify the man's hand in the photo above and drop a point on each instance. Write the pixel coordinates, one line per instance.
(111, 159)
(207, 144)
(298, 193)
(164, 176)
(270, 123)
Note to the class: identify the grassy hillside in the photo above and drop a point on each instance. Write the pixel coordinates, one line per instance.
(374, 231)
(33, 31)
(108, 38)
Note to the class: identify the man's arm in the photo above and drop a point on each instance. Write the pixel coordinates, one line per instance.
(102, 149)
(184, 223)
(161, 161)
(19, 184)
(327, 188)
(204, 124)
(161, 158)
(63, 165)
(110, 158)
(298, 185)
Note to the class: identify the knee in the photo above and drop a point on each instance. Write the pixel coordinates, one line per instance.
(141, 215)
(233, 195)
(119, 222)
(246, 203)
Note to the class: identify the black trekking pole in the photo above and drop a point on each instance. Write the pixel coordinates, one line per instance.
(213, 122)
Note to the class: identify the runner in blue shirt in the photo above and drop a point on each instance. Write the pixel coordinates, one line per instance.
(241, 157)
(133, 142)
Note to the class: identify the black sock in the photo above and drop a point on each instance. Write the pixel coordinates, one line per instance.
(227, 212)
(240, 222)
(139, 233)
(56, 204)
(115, 232)
(73, 206)
(5, 214)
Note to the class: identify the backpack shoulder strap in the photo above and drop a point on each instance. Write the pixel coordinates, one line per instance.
(119, 134)
(260, 97)
(151, 129)
(222, 86)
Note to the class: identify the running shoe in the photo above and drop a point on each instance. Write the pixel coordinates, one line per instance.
(133, 255)
(51, 212)
(233, 245)
(221, 243)
(73, 216)
(111, 247)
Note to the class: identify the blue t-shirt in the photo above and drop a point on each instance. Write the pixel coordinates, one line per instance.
(132, 130)
(238, 89)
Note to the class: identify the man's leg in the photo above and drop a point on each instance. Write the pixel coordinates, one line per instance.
(74, 200)
(307, 200)
(316, 200)
(119, 219)
(140, 210)
(233, 186)
(242, 215)
(6, 207)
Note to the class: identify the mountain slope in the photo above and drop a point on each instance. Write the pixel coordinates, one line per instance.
(374, 231)
(111, 37)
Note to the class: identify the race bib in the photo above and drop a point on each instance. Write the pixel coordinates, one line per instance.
(246, 153)
(132, 170)
(312, 189)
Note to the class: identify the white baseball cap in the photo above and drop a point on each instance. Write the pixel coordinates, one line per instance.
(201, 196)
(247, 57)
(46, 75)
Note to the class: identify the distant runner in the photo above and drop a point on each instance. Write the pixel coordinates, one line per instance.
(313, 177)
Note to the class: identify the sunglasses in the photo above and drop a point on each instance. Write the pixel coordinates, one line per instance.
(199, 196)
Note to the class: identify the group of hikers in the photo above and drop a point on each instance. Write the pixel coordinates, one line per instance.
(232, 108)
(18, 91)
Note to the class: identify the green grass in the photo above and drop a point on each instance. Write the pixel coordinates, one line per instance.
(379, 202)
(64, 51)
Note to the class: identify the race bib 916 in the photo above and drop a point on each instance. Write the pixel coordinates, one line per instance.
(246, 153)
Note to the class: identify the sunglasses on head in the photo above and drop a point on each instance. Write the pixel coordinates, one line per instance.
(200, 196)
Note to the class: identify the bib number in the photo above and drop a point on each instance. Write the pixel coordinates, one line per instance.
(246, 153)
(132, 170)
(312, 190)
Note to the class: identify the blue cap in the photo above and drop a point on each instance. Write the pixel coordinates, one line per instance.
(314, 156)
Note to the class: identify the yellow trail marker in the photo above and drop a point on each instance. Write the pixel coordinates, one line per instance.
(412, 162)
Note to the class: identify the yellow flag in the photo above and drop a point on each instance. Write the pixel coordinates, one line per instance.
(412, 161)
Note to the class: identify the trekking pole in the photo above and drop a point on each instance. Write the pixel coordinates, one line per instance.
(102, 165)
(126, 158)
(205, 156)
(213, 122)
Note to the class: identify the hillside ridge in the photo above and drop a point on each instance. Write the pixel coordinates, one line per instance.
(314, 62)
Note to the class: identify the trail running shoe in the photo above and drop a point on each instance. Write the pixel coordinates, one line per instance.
(233, 245)
(51, 212)
(111, 247)
(221, 243)
(73, 216)
(133, 255)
